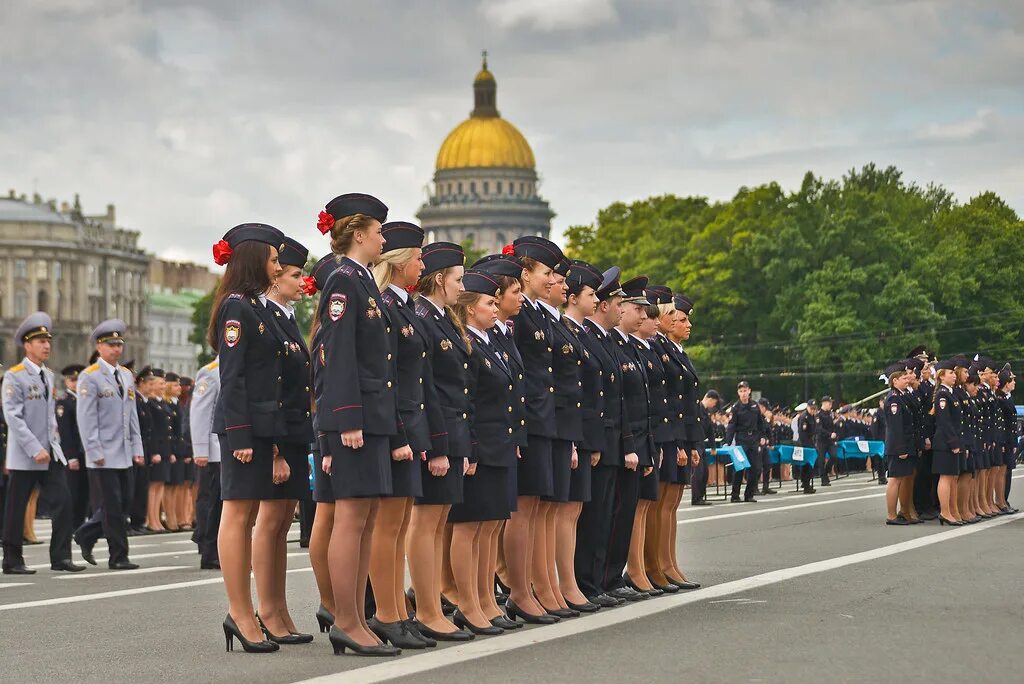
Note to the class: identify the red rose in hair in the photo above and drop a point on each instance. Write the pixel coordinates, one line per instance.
(309, 287)
(411, 289)
(222, 253)
(324, 222)
(508, 250)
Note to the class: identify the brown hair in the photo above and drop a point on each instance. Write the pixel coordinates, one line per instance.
(505, 283)
(529, 263)
(344, 231)
(428, 285)
(467, 300)
(653, 311)
(246, 274)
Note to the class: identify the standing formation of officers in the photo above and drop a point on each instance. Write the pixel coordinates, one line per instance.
(111, 458)
(517, 433)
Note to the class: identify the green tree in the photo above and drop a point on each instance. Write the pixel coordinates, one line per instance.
(200, 324)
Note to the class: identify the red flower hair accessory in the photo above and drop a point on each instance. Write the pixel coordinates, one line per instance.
(324, 222)
(508, 250)
(309, 287)
(222, 253)
(411, 289)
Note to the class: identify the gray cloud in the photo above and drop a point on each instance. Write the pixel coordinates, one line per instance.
(193, 116)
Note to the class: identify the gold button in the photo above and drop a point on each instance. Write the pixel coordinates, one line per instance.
(278, 353)
(549, 370)
(522, 422)
(421, 381)
(680, 415)
(389, 331)
(424, 354)
(549, 348)
(601, 393)
(465, 365)
(510, 409)
(580, 383)
(579, 363)
(279, 378)
(307, 414)
(280, 404)
(510, 388)
(520, 376)
(522, 400)
(602, 414)
(307, 389)
(307, 364)
(551, 389)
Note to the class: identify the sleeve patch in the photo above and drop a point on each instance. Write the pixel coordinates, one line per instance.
(894, 408)
(337, 306)
(942, 403)
(232, 333)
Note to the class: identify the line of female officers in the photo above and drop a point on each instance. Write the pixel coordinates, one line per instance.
(968, 421)
(463, 420)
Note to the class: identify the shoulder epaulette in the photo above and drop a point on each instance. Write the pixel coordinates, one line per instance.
(92, 369)
(388, 298)
(16, 369)
(213, 364)
(347, 269)
(235, 295)
(421, 310)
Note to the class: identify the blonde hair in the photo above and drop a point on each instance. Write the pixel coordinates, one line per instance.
(666, 309)
(388, 263)
(344, 230)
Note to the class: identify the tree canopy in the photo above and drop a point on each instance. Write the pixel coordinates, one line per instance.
(816, 290)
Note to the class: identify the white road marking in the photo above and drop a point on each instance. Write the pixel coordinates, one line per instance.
(765, 511)
(428, 661)
(15, 584)
(122, 573)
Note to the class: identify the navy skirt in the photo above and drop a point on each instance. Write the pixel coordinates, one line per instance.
(360, 473)
(535, 476)
(901, 467)
(669, 470)
(297, 484)
(483, 496)
(649, 486)
(253, 480)
(579, 479)
(945, 463)
(436, 491)
(561, 470)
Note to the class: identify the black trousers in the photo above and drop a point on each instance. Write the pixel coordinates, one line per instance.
(113, 490)
(53, 490)
(753, 473)
(593, 531)
(806, 472)
(78, 486)
(766, 467)
(140, 495)
(307, 512)
(208, 511)
(699, 477)
(624, 500)
(926, 485)
(826, 458)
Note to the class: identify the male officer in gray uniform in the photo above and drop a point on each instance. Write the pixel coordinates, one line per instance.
(109, 424)
(33, 449)
(206, 452)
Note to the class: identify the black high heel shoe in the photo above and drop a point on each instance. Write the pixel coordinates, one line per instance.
(562, 612)
(515, 611)
(340, 641)
(231, 632)
(395, 633)
(462, 621)
(505, 623)
(325, 619)
(447, 607)
(954, 523)
(457, 635)
(644, 594)
(414, 628)
(289, 639)
(588, 607)
(663, 588)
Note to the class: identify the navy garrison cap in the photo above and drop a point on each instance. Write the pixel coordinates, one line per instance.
(354, 203)
(501, 264)
(683, 303)
(634, 291)
(260, 232)
(610, 284)
(293, 254)
(539, 249)
(110, 332)
(72, 371)
(479, 281)
(582, 274)
(438, 256)
(659, 294)
(562, 267)
(37, 325)
(401, 235)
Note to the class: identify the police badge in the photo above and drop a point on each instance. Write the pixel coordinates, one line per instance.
(664, 358)
(407, 331)
(337, 305)
(261, 328)
(232, 333)
(487, 362)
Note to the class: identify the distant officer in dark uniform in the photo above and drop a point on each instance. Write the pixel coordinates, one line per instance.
(877, 433)
(764, 450)
(807, 430)
(699, 472)
(825, 440)
(71, 444)
(140, 473)
(900, 445)
(746, 429)
(34, 456)
(109, 425)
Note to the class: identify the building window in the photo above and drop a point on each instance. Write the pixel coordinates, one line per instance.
(20, 303)
(487, 188)
(42, 272)
(58, 270)
(20, 268)
(498, 188)
(460, 187)
(472, 187)
(42, 301)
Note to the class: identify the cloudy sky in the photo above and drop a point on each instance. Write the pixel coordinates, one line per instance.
(194, 116)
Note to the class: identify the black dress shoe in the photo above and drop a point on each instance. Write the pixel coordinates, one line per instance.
(627, 594)
(231, 632)
(414, 628)
(750, 500)
(20, 569)
(702, 502)
(395, 633)
(606, 601)
(646, 593)
(735, 499)
(768, 491)
(123, 565)
(826, 483)
(928, 516)
(457, 635)
(897, 521)
(340, 641)
(809, 490)
(515, 611)
(588, 607)
(289, 639)
(66, 566)
(687, 585)
(563, 612)
(212, 565)
(87, 552)
(505, 623)
(462, 621)
(324, 619)
(664, 588)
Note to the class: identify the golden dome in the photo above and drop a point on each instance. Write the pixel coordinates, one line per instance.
(485, 139)
(480, 142)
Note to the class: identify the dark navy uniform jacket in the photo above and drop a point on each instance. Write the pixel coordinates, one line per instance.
(505, 344)
(533, 336)
(592, 378)
(657, 385)
(358, 392)
(251, 374)
(567, 362)
(67, 427)
(419, 408)
(448, 357)
(746, 426)
(619, 439)
(298, 377)
(679, 388)
(637, 397)
(145, 425)
(899, 425)
(162, 429)
(948, 420)
(491, 398)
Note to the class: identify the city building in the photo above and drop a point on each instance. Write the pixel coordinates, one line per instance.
(485, 183)
(80, 269)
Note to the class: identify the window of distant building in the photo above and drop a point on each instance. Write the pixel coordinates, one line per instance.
(472, 187)
(58, 270)
(20, 268)
(498, 188)
(42, 301)
(487, 187)
(20, 303)
(460, 187)
(42, 272)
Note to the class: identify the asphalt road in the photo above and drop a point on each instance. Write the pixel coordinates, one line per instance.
(796, 589)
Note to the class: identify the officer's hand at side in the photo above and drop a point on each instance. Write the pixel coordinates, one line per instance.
(471, 470)
(139, 460)
(325, 464)
(695, 457)
(927, 443)
(174, 459)
(465, 466)
(902, 456)
(188, 459)
(281, 471)
(632, 461)
(402, 453)
(681, 457)
(202, 461)
(956, 451)
(438, 466)
(574, 461)
(101, 462)
(73, 464)
(353, 439)
(156, 459)
(42, 457)
(243, 455)
(595, 458)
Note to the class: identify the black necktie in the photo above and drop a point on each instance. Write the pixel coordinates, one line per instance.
(46, 388)
(120, 387)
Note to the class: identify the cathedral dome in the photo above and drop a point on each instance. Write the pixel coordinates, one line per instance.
(485, 140)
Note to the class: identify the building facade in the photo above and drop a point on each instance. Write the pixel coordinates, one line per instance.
(79, 269)
(169, 324)
(485, 185)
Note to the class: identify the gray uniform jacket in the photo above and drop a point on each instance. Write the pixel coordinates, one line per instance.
(31, 418)
(107, 421)
(204, 400)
